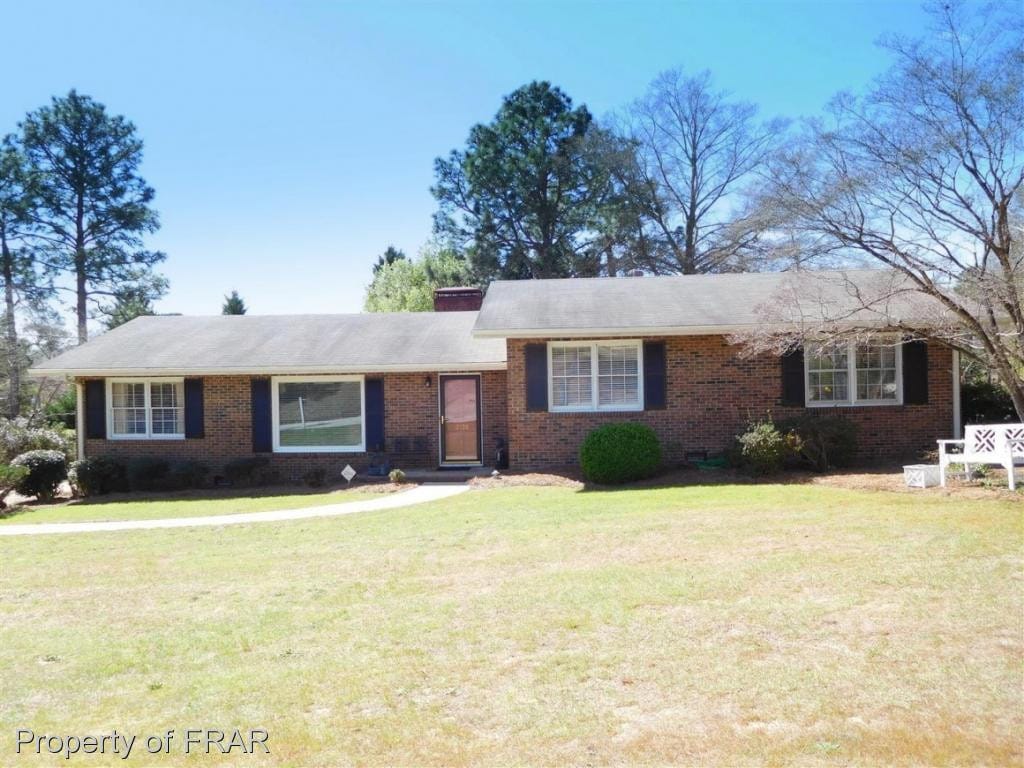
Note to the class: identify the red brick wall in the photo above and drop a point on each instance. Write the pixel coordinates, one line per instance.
(410, 410)
(711, 394)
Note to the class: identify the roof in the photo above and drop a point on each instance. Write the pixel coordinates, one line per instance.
(225, 344)
(686, 304)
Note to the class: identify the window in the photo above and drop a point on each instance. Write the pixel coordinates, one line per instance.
(324, 414)
(595, 376)
(146, 409)
(854, 374)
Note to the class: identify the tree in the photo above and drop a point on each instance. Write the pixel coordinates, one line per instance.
(390, 256)
(128, 304)
(407, 285)
(523, 199)
(93, 207)
(923, 175)
(22, 281)
(234, 305)
(695, 150)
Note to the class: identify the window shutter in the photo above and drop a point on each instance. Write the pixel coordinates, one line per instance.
(374, 414)
(536, 377)
(793, 378)
(96, 409)
(915, 373)
(261, 417)
(654, 376)
(194, 408)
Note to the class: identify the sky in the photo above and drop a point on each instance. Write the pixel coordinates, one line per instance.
(290, 143)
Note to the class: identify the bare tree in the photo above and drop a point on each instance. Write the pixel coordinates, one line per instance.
(696, 149)
(923, 175)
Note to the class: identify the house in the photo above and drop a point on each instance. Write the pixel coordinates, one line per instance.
(535, 366)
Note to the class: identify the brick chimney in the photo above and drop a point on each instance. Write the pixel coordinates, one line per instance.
(460, 299)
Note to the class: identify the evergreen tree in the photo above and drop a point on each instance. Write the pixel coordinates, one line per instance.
(233, 305)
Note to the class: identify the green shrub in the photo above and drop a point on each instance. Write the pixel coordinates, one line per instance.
(60, 412)
(315, 477)
(146, 473)
(17, 436)
(619, 453)
(186, 474)
(97, 476)
(396, 476)
(763, 448)
(10, 476)
(247, 471)
(986, 402)
(823, 442)
(46, 470)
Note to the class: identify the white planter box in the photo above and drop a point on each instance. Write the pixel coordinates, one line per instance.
(921, 475)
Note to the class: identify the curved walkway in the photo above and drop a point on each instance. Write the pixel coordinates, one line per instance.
(418, 495)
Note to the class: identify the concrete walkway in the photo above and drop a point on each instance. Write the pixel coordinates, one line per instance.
(417, 495)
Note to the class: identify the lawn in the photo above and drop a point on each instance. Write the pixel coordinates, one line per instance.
(735, 625)
(189, 504)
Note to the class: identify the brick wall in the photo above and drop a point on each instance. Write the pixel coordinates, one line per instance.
(711, 394)
(410, 410)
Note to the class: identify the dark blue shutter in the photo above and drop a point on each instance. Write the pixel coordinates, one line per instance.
(261, 417)
(96, 409)
(654, 376)
(194, 408)
(374, 415)
(915, 373)
(536, 377)
(793, 378)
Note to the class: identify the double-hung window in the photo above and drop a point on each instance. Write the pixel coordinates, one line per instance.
(324, 414)
(595, 376)
(141, 409)
(854, 374)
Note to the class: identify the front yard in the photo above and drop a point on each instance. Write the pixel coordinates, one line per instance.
(733, 624)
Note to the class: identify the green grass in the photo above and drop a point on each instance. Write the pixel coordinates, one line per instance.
(734, 625)
(193, 505)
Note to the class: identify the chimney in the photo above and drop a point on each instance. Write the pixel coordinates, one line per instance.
(460, 299)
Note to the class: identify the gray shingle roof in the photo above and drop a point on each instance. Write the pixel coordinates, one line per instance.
(675, 304)
(283, 344)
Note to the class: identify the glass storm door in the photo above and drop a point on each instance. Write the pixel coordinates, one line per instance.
(460, 419)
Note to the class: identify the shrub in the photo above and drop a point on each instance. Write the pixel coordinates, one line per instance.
(315, 477)
(246, 471)
(10, 476)
(60, 412)
(186, 474)
(763, 448)
(619, 453)
(823, 442)
(46, 470)
(396, 476)
(17, 436)
(147, 473)
(97, 476)
(986, 402)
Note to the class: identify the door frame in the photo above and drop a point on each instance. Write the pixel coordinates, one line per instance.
(479, 420)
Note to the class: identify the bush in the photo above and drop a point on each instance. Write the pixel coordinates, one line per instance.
(17, 436)
(60, 412)
(46, 470)
(396, 476)
(146, 473)
(186, 474)
(94, 477)
(823, 442)
(10, 476)
(763, 448)
(247, 471)
(619, 453)
(986, 402)
(315, 477)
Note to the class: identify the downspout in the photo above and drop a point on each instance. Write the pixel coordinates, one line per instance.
(80, 418)
(956, 396)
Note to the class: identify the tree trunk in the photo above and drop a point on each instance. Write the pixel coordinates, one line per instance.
(81, 307)
(10, 333)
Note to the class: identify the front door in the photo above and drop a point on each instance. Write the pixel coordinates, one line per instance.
(460, 419)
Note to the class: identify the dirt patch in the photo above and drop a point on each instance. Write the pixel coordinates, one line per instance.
(568, 478)
(991, 487)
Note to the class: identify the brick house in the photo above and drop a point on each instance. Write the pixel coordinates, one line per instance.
(532, 368)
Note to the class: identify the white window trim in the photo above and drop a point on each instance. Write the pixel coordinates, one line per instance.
(594, 407)
(275, 415)
(851, 376)
(149, 434)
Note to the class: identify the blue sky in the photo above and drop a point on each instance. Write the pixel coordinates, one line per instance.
(289, 143)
